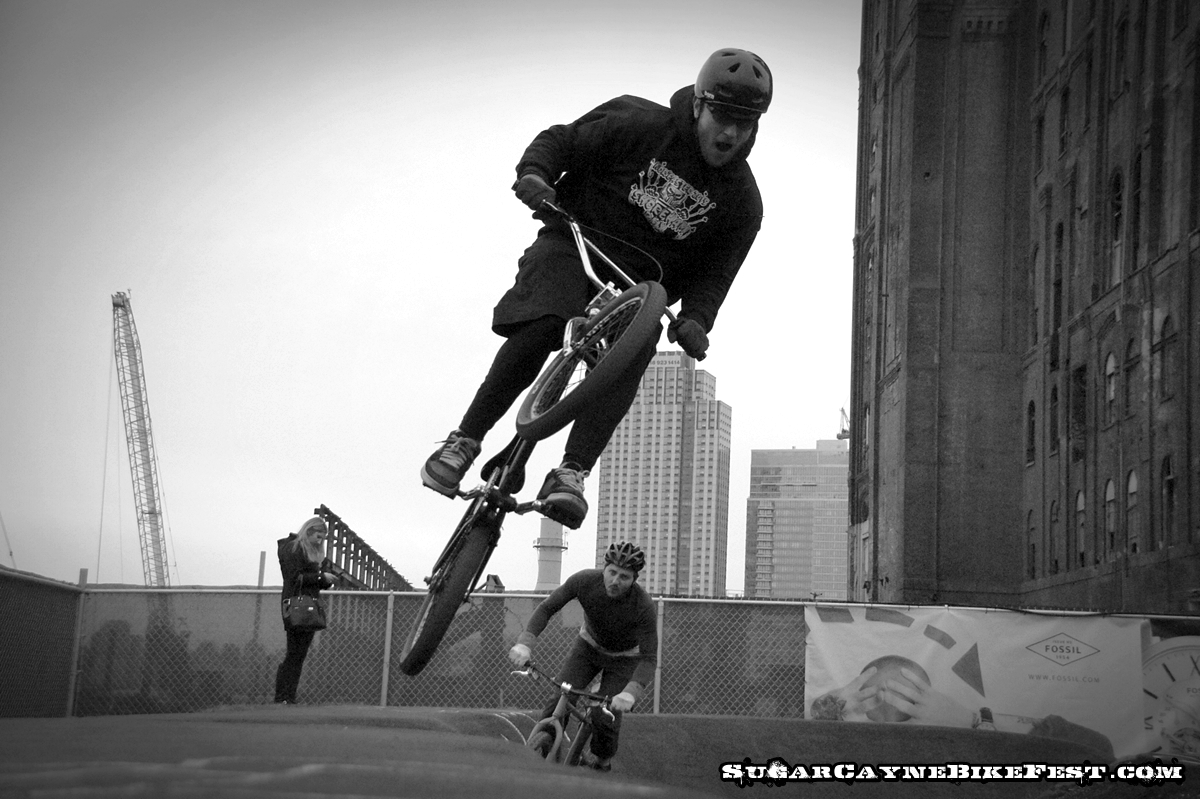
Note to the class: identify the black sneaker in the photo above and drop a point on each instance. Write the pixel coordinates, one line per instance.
(446, 468)
(562, 495)
(595, 763)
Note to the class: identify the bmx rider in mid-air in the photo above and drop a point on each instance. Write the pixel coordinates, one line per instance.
(669, 183)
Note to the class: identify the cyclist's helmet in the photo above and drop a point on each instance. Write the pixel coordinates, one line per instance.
(626, 556)
(736, 81)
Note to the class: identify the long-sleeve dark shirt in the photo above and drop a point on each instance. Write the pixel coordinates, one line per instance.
(624, 626)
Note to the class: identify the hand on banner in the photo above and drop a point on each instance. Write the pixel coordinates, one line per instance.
(848, 703)
(912, 695)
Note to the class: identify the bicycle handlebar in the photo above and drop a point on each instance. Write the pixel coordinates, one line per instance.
(585, 245)
(531, 670)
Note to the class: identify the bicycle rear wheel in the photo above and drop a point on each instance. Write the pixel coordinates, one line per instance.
(452, 579)
(579, 375)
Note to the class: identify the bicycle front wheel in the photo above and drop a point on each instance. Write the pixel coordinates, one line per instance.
(580, 374)
(579, 743)
(448, 588)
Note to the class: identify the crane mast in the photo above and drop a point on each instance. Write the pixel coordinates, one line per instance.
(143, 465)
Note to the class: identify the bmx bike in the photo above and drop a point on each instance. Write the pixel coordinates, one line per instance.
(555, 737)
(597, 347)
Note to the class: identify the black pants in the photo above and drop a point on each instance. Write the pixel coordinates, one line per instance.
(582, 665)
(287, 676)
(517, 364)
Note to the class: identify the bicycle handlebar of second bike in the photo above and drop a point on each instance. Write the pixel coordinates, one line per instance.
(602, 701)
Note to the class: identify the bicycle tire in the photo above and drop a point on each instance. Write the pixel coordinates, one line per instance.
(581, 374)
(579, 743)
(542, 741)
(448, 588)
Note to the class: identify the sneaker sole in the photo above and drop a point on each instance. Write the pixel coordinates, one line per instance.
(564, 509)
(431, 482)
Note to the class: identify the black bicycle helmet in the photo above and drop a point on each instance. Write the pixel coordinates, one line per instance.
(737, 81)
(626, 556)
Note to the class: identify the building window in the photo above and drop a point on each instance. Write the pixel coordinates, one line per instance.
(1077, 429)
(1129, 387)
(1064, 121)
(1163, 359)
(1133, 520)
(1032, 540)
(1052, 547)
(1030, 433)
(1039, 148)
(1110, 389)
(1135, 220)
(1110, 520)
(1087, 91)
(1081, 528)
(1120, 55)
(1166, 532)
(1116, 220)
(1053, 420)
(1043, 53)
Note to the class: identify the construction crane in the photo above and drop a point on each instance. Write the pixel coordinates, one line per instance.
(143, 465)
(844, 427)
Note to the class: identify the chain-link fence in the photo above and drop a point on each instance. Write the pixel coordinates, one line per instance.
(179, 650)
(37, 640)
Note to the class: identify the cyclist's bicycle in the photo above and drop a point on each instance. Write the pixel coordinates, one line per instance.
(555, 737)
(597, 348)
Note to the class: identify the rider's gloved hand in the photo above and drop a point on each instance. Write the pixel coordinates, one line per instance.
(519, 655)
(531, 189)
(690, 335)
(622, 702)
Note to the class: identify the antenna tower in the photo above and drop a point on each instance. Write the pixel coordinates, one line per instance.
(143, 465)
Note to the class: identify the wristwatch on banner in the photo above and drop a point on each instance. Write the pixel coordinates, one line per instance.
(983, 720)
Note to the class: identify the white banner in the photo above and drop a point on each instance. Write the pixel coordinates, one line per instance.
(1072, 677)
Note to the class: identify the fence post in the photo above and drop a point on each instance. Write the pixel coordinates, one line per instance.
(658, 663)
(74, 672)
(387, 650)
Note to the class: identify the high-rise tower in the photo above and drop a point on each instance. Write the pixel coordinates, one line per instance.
(796, 519)
(664, 480)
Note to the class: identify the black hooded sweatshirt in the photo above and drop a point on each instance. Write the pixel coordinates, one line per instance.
(633, 168)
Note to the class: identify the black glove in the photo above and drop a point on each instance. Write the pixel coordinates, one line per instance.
(690, 335)
(531, 189)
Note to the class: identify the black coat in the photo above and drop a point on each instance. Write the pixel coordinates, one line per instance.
(294, 563)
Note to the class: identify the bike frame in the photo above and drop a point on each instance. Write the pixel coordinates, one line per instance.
(564, 711)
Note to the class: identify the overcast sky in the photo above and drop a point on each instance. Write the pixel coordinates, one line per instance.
(310, 205)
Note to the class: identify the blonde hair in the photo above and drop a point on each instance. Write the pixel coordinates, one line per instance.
(307, 543)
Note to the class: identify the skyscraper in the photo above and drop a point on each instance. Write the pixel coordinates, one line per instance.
(664, 480)
(796, 522)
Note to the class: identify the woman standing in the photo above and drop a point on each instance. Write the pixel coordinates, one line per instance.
(303, 564)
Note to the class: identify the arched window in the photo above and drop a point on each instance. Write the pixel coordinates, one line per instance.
(1129, 388)
(1110, 520)
(1030, 433)
(1081, 528)
(1164, 360)
(1110, 389)
(1053, 419)
(1166, 531)
(1116, 221)
(1133, 519)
